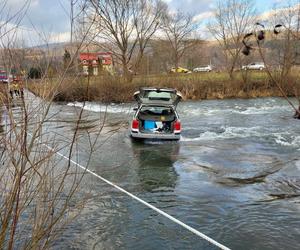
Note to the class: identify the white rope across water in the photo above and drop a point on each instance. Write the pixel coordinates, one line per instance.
(170, 217)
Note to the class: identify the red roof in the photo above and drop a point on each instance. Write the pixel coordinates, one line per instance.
(88, 56)
(106, 57)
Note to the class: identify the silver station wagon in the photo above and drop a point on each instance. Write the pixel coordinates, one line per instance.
(156, 116)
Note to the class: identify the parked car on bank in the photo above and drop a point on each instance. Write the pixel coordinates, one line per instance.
(179, 70)
(254, 66)
(204, 68)
(156, 116)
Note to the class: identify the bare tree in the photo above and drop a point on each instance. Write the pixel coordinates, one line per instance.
(37, 189)
(232, 20)
(179, 29)
(125, 27)
(151, 13)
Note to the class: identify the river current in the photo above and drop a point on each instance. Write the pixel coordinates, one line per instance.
(234, 175)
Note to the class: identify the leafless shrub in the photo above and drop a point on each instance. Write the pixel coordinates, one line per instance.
(38, 187)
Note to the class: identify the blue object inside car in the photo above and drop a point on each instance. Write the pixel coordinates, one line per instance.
(149, 125)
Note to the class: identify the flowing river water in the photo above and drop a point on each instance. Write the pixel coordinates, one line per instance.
(234, 175)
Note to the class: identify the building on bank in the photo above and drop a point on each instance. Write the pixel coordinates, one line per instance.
(94, 63)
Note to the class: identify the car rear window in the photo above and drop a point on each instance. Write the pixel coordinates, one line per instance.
(156, 110)
(153, 95)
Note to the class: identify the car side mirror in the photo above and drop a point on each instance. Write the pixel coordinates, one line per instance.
(135, 109)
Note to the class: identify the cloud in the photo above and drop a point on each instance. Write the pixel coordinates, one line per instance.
(191, 6)
(203, 16)
(12, 35)
(49, 16)
(279, 1)
(14, 5)
(279, 12)
(60, 37)
(15, 35)
(49, 19)
(267, 15)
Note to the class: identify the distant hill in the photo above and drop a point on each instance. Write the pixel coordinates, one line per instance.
(51, 46)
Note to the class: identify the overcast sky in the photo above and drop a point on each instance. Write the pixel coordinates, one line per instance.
(51, 17)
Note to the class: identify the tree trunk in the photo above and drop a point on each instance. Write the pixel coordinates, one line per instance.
(231, 72)
(176, 61)
(126, 73)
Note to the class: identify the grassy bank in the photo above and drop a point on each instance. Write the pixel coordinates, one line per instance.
(193, 86)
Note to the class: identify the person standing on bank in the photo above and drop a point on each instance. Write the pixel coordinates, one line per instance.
(11, 90)
(21, 89)
(16, 88)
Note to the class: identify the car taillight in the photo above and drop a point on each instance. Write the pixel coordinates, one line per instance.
(135, 124)
(177, 125)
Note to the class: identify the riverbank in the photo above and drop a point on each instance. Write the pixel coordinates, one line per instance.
(199, 86)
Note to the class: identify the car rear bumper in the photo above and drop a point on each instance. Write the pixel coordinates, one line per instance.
(160, 136)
